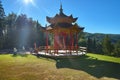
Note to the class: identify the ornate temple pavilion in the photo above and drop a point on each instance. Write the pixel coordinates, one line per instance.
(65, 32)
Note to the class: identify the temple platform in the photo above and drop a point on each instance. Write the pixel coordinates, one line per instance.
(60, 54)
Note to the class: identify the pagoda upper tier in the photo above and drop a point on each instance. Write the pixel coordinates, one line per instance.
(61, 17)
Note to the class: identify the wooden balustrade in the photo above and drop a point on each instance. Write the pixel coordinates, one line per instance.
(68, 49)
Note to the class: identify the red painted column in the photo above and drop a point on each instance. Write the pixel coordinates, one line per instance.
(63, 41)
(54, 42)
(70, 42)
(47, 42)
(77, 42)
(35, 45)
(65, 37)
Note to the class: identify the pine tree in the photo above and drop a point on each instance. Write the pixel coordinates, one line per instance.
(117, 49)
(107, 45)
(2, 15)
(89, 45)
(94, 45)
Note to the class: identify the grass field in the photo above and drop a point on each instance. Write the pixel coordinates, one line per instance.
(87, 67)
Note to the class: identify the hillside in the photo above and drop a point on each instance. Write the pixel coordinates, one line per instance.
(99, 36)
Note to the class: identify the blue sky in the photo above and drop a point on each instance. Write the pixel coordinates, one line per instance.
(97, 16)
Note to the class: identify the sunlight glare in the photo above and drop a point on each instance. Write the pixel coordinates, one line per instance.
(28, 1)
(31, 2)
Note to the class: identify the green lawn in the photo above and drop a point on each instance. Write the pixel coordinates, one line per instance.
(104, 58)
(87, 67)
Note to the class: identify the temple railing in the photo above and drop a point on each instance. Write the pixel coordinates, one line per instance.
(68, 48)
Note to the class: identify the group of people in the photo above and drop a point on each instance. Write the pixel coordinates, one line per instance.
(15, 50)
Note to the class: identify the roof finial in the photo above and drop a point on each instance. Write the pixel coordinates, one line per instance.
(61, 10)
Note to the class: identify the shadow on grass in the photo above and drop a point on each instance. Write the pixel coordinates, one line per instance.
(90, 65)
(22, 55)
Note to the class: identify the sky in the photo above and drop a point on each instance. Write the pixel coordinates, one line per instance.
(97, 16)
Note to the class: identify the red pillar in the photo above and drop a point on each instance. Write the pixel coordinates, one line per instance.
(47, 42)
(64, 41)
(55, 43)
(35, 45)
(65, 37)
(77, 42)
(70, 42)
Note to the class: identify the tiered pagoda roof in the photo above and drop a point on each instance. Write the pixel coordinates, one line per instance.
(61, 18)
(63, 23)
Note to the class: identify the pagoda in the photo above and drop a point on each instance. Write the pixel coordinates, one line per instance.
(64, 30)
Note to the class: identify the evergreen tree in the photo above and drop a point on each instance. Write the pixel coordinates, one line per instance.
(2, 16)
(99, 48)
(94, 45)
(82, 39)
(89, 44)
(2, 31)
(107, 46)
(22, 31)
(117, 49)
(11, 39)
